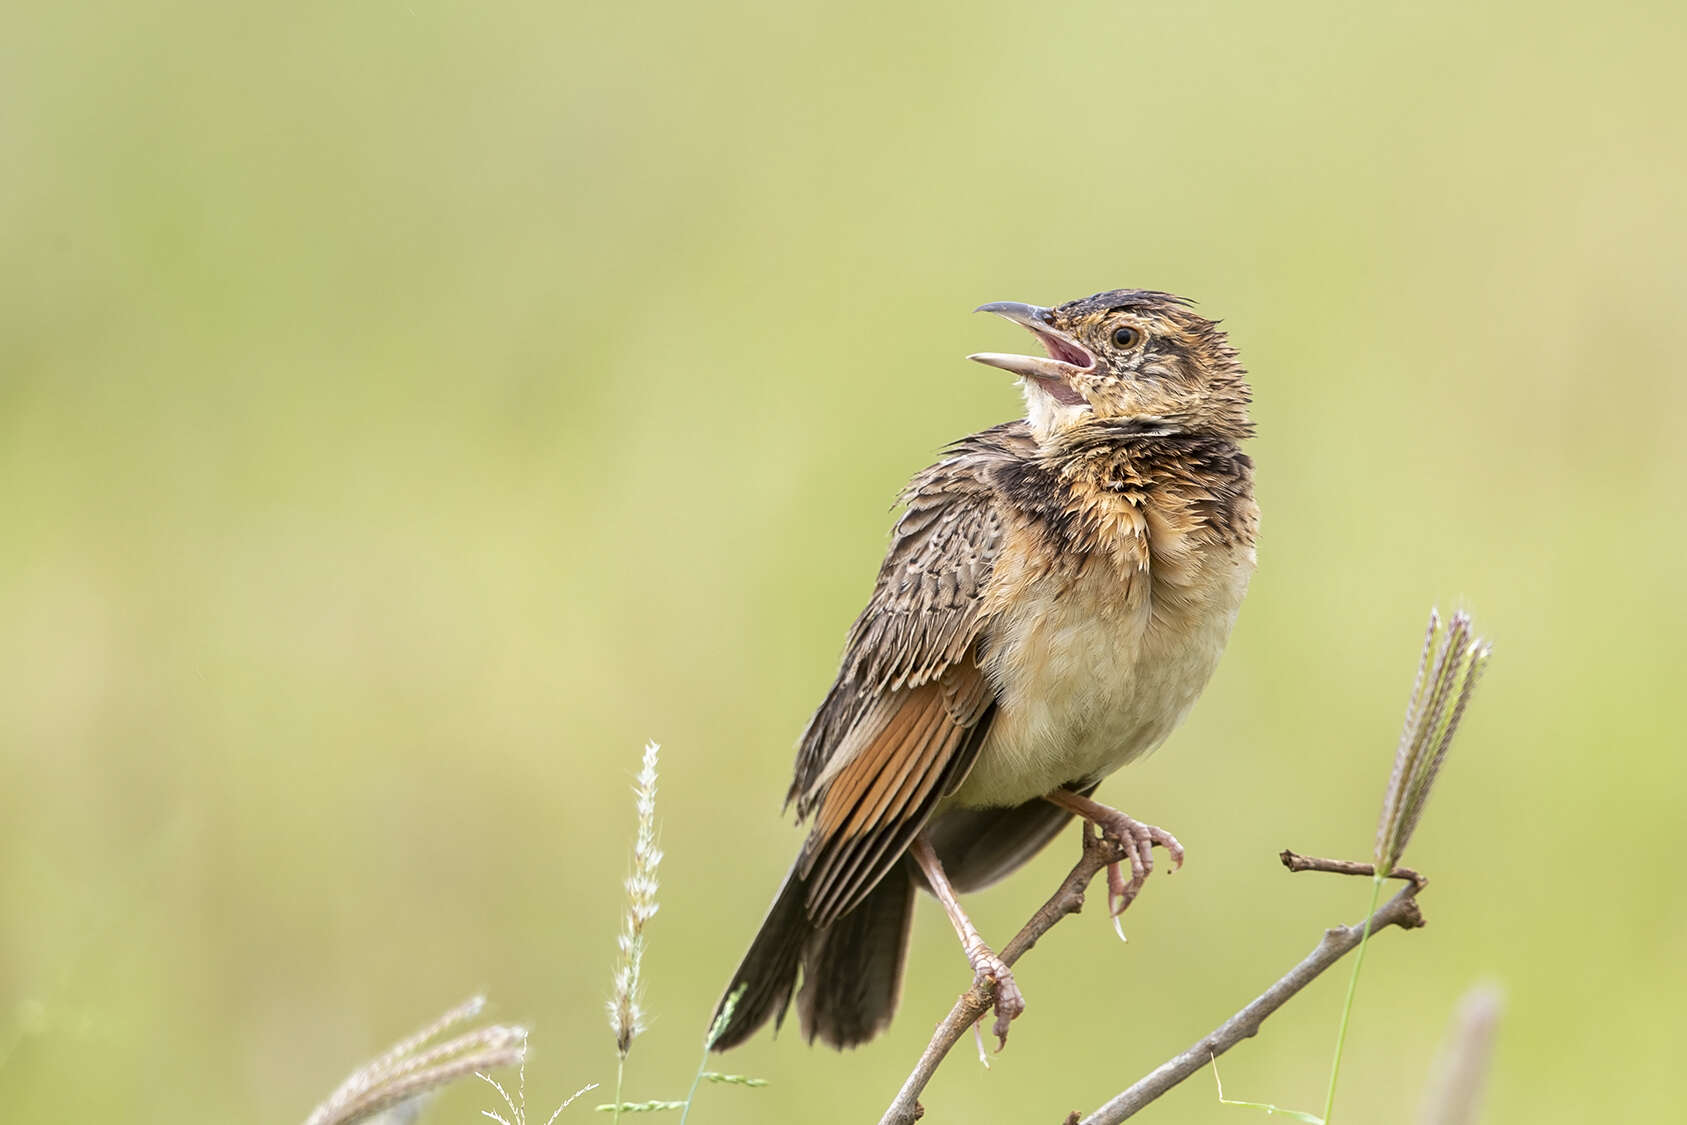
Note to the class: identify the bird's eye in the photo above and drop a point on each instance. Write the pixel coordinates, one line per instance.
(1125, 337)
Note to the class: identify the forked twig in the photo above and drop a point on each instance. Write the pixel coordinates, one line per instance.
(1451, 662)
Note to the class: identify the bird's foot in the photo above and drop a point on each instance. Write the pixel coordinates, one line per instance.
(992, 973)
(989, 972)
(1138, 840)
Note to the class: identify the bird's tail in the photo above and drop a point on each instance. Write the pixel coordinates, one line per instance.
(768, 974)
(851, 970)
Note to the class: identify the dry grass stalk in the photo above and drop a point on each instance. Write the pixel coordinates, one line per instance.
(1452, 662)
(626, 1015)
(410, 1068)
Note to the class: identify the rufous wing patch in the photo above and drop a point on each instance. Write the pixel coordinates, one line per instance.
(885, 793)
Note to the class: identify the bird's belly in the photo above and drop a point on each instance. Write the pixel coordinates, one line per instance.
(1090, 677)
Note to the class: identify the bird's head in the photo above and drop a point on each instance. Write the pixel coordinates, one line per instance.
(1126, 354)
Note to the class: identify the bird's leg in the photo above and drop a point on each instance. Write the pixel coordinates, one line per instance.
(1138, 839)
(988, 969)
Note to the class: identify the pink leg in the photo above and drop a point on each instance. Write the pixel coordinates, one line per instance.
(987, 968)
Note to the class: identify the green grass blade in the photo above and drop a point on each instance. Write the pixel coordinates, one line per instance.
(1347, 1006)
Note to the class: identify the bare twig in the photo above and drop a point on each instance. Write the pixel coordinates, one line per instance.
(1401, 910)
(1068, 899)
(1294, 861)
(1451, 661)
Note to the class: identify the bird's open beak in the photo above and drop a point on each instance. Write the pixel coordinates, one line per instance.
(1066, 357)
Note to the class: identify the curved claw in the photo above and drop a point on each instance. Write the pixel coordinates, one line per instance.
(1139, 841)
(1169, 842)
(992, 972)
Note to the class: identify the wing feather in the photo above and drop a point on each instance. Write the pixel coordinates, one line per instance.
(925, 613)
(887, 793)
(910, 706)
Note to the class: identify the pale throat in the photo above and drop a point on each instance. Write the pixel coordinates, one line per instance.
(1047, 415)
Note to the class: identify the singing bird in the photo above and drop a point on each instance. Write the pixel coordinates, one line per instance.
(1057, 592)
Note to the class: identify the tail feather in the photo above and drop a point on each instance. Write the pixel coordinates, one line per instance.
(851, 971)
(768, 974)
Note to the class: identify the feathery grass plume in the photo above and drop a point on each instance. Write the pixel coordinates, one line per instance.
(411, 1068)
(1452, 661)
(626, 1016)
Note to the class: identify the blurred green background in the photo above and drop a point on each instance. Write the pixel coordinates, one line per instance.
(406, 409)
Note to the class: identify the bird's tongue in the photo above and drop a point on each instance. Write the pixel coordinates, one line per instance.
(1064, 352)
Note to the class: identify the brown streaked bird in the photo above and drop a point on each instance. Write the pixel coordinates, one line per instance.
(1057, 593)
